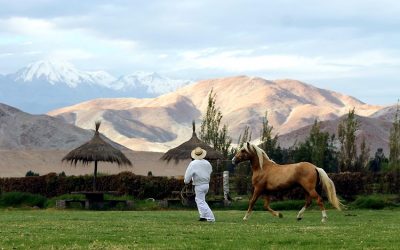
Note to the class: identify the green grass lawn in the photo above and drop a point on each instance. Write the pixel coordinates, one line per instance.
(77, 229)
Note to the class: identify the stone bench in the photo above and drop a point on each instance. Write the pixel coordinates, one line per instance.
(87, 204)
(67, 203)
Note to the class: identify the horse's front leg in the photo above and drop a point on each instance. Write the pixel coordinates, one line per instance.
(252, 201)
(266, 206)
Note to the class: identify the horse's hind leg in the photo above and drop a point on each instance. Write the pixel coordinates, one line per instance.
(303, 209)
(254, 197)
(266, 206)
(320, 203)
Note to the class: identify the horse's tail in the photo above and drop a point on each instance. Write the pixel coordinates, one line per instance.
(330, 189)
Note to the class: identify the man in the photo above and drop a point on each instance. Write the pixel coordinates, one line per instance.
(199, 171)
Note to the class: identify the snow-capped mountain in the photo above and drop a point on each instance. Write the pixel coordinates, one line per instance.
(155, 83)
(55, 72)
(47, 84)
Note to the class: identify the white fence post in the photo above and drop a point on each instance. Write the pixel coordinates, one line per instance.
(225, 183)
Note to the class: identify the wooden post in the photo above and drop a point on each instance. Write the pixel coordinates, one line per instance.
(225, 179)
(94, 175)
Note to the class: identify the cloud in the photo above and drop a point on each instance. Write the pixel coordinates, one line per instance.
(6, 54)
(26, 26)
(308, 40)
(47, 38)
(254, 61)
(70, 54)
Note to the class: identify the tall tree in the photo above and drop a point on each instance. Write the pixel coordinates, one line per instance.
(331, 157)
(224, 141)
(347, 137)
(245, 137)
(363, 158)
(394, 141)
(317, 148)
(269, 143)
(318, 143)
(211, 131)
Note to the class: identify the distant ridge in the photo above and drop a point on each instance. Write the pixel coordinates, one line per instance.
(20, 130)
(158, 124)
(38, 143)
(375, 131)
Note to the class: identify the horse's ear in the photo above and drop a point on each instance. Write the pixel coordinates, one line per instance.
(249, 147)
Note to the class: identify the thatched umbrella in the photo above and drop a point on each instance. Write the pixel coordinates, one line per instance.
(96, 150)
(183, 151)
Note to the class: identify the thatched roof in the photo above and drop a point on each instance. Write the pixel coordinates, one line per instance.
(96, 150)
(183, 151)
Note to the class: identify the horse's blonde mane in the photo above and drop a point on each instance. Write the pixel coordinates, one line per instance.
(260, 153)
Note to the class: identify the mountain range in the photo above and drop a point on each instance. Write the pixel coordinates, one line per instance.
(157, 124)
(47, 84)
(38, 143)
(150, 126)
(22, 131)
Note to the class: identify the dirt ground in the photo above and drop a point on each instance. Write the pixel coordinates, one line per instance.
(16, 163)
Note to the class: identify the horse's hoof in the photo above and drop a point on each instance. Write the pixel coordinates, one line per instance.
(280, 215)
(323, 220)
(299, 219)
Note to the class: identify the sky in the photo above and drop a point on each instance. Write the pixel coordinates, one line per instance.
(352, 47)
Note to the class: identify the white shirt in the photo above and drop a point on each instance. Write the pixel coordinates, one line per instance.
(199, 172)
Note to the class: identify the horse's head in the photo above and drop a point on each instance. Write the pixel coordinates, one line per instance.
(244, 154)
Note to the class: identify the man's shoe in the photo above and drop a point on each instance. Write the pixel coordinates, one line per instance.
(202, 219)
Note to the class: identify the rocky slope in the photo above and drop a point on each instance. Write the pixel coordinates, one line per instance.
(157, 124)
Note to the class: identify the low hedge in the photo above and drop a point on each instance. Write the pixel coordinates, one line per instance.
(348, 185)
(21, 199)
(127, 183)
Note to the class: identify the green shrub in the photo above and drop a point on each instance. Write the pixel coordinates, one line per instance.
(18, 199)
(369, 202)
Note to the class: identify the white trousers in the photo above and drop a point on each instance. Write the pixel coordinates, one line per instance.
(204, 210)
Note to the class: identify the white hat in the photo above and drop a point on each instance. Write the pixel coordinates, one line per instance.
(198, 153)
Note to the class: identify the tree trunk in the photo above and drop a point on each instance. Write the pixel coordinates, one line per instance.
(94, 175)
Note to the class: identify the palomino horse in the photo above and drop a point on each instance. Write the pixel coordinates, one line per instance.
(269, 176)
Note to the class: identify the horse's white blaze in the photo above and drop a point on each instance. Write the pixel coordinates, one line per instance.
(301, 213)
